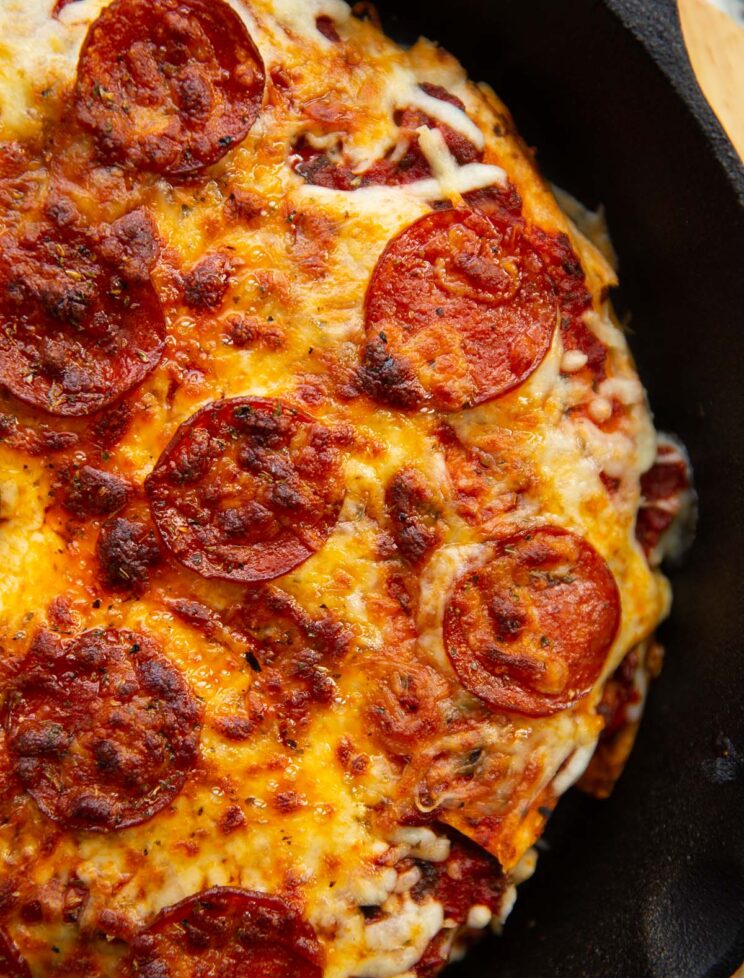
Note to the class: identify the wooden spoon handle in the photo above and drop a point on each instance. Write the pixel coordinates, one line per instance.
(715, 43)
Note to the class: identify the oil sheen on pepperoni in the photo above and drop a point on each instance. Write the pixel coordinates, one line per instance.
(12, 964)
(458, 311)
(226, 932)
(247, 490)
(529, 631)
(168, 85)
(78, 326)
(102, 731)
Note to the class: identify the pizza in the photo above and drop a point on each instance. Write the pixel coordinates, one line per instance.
(331, 506)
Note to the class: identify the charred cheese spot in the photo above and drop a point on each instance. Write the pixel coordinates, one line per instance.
(414, 513)
(91, 492)
(205, 285)
(127, 550)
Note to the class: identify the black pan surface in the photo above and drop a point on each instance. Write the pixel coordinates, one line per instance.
(649, 884)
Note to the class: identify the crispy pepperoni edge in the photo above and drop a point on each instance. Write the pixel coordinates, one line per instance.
(554, 705)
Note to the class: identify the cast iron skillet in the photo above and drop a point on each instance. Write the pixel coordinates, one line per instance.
(649, 884)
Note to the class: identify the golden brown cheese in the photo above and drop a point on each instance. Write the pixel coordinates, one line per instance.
(334, 783)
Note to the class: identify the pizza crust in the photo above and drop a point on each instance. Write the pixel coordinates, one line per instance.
(309, 799)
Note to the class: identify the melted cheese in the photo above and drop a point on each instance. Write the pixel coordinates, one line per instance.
(36, 54)
(397, 942)
(444, 112)
(300, 273)
(300, 16)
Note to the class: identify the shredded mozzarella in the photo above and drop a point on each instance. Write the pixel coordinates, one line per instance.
(573, 360)
(575, 767)
(397, 942)
(444, 112)
(479, 916)
(422, 843)
(300, 16)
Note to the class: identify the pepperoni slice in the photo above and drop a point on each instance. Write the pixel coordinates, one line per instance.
(102, 731)
(12, 964)
(168, 85)
(80, 322)
(529, 631)
(228, 932)
(563, 268)
(458, 312)
(247, 490)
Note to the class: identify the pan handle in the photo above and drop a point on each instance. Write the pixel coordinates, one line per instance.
(657, 27)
